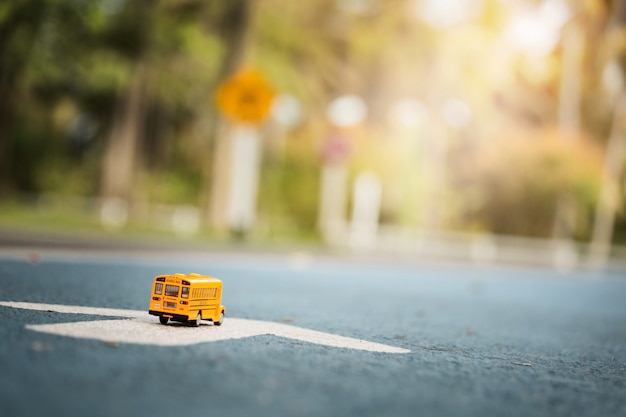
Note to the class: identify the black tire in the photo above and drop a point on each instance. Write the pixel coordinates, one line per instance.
(221, 320)
(196, 322)
(164, 320)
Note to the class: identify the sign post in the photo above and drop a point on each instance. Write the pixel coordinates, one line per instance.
(245, 99)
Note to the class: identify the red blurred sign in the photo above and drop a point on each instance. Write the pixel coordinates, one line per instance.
(336, 149)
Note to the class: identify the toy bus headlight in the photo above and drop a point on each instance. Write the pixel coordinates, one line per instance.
(184, 302)
(156, 298)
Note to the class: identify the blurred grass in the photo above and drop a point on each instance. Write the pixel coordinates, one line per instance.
(61, 216)
(15, 214)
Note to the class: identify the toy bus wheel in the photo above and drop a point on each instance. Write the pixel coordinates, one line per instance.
(219, 323)
(163, 320)
(196, 322)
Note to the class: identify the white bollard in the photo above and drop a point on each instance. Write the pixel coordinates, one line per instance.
(114, 213)
(365, 211)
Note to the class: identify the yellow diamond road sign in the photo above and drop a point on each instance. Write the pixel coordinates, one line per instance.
(246, 96)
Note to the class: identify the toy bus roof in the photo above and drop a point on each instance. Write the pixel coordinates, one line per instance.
(193, 277)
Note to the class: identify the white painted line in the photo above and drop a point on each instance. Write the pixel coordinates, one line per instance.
(59, 308)
(146, 330)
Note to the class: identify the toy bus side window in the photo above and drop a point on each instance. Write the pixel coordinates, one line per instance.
(158, 288)
(185, 292)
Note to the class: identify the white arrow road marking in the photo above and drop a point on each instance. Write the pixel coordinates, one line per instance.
(59, 308)
(140, 328)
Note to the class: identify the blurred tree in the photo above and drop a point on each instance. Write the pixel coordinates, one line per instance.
(20, 23)
(41, 44)
(611, 198)
(173, 65)
(131, 34)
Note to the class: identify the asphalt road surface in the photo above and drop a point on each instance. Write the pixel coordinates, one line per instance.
(310, 337)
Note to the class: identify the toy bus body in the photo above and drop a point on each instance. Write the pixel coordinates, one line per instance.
(187, 298)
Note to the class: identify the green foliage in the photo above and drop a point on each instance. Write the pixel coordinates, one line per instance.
(288, 196)
(174, 187)
(30, 147)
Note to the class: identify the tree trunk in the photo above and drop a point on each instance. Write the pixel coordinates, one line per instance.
(6, 116)
(121, 156)
(608, 201)
(615, 157)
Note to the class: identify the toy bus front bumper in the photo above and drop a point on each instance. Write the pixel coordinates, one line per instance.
(171, 316)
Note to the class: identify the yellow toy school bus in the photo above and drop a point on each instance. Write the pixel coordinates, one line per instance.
(187, 298)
